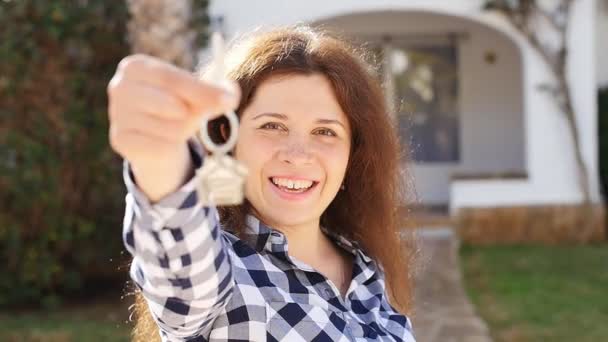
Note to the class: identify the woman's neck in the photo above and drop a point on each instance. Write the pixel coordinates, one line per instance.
(307, 242)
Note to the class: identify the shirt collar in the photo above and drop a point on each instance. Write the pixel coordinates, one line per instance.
(263, 237)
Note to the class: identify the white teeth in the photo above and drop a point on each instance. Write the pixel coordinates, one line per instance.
(291, 184)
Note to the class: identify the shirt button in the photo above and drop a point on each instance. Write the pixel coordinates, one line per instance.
(276, 238)
(329, 292)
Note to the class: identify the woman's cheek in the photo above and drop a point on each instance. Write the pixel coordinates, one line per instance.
(336, 152)
(249, 146)
(262, 148)
(255, 153)
(337, 159)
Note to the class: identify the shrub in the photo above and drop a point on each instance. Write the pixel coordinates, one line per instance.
(60, 190)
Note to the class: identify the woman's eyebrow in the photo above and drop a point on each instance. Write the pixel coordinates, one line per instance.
(330, 121)
(274, 115)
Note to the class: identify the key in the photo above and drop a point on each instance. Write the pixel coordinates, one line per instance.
(222, 178)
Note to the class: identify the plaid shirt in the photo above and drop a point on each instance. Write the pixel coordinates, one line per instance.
(202, 283)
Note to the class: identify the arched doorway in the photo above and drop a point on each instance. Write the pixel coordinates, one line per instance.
(456, 86)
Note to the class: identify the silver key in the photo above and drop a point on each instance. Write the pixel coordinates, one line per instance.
(222, 178)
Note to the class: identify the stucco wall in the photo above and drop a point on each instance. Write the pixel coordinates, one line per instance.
(553, 173)
(242, 16)
(601, 41)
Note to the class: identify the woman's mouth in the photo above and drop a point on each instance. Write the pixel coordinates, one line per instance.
(292, 188)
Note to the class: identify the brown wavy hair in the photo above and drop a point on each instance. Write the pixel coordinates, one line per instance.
(368, 210)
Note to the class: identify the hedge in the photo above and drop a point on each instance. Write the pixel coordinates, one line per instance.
(61, 192)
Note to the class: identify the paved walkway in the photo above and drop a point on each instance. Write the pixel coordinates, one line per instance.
(443, 311)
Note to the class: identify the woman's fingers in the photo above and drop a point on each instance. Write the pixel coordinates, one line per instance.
(141, 148)
(200, 96)
(151, 100)
(155, 107)
(170, 130)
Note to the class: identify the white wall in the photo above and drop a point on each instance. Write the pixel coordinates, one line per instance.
(601, 41)
(549, 160)
(553, 176)
(242, 16)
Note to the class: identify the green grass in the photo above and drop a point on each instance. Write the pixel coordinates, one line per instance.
(540, 293)
(101, 319)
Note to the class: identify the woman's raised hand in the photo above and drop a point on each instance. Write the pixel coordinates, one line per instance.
(154, 108)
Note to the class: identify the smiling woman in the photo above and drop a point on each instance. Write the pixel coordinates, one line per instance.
(294, 148)
(315, 251)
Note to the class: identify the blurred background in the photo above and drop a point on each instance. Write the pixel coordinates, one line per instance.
(501, 105)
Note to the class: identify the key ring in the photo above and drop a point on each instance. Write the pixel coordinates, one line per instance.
(226, 147)
(216, 75)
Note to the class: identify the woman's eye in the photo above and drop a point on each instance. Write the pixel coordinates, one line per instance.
(271, 125)
(326, 131)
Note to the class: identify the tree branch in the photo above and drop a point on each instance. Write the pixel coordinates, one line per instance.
(520, 18)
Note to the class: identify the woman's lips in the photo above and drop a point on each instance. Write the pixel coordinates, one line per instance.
(292, 196)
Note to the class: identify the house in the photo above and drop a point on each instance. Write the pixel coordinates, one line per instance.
(465, 85)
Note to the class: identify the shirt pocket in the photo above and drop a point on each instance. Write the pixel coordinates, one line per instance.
(291, 321)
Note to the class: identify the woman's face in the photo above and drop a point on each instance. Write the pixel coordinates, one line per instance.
(295, 140)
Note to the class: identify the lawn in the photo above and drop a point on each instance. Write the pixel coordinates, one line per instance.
(99, 319)
(540, 293)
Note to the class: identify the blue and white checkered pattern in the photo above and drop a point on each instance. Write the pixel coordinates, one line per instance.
(202, 283)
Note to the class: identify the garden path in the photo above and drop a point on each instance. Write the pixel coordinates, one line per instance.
(442, 309)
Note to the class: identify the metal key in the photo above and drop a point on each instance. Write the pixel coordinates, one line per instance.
(222, 178)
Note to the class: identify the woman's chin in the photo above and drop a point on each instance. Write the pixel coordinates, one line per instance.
(282, 215)
(284, 208)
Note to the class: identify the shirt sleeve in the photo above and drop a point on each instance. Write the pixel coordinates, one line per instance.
(180, 261)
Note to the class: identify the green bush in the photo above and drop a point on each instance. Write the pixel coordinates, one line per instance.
(61, 192)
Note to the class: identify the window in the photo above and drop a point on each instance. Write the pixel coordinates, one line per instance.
(421, 80)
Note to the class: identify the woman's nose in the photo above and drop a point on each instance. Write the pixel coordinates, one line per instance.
(295, 151)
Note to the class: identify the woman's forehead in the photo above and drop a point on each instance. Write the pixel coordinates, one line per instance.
(297, 95)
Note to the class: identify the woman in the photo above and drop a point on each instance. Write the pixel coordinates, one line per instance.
(314, 252)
